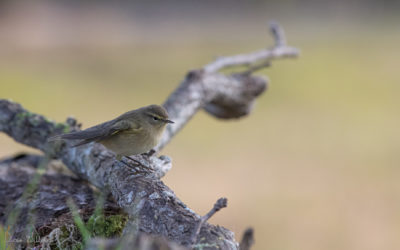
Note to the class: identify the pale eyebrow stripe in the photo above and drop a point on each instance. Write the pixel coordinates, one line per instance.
(152, 114)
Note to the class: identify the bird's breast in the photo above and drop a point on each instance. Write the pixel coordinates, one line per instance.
(131, 143)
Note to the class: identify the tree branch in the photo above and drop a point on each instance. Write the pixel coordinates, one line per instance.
(278, 51)
(221, 203)
(152, 207)
(223, 96)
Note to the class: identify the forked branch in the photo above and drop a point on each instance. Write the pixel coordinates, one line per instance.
(152, 207)
(224, 96)
(280, 50)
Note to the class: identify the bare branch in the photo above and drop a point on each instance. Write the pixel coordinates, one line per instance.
(278, 33)
(256, 67)
(221, 203)
(280, 50)
(223, 96)
(153, 207)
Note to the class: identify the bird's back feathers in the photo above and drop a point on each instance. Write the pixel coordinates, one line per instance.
(96, 133)
(133, 122)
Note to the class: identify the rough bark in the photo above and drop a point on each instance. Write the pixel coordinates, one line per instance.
(153, 207)
(33, 203)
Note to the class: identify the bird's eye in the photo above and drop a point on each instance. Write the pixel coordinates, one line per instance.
(155, 118)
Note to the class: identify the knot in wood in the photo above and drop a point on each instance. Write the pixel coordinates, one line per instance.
(253, 86)
(236, 98)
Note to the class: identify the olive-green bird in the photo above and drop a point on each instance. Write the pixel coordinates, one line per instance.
(132, 133)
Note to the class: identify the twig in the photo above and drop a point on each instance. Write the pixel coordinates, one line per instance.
(278, 33)
(221, 203)
(223, 96)
(247, 239)
(254, 68)
(279, 50)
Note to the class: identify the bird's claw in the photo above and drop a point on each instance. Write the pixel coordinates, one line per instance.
(150, 153)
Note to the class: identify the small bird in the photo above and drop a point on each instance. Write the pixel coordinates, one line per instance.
(134, 132)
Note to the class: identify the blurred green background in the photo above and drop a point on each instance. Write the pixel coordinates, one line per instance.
(315, 166)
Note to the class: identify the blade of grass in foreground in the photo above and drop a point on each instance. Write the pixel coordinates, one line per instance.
(78, 221)
(3, 238)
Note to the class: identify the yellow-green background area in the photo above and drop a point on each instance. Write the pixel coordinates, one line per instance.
(315, 166)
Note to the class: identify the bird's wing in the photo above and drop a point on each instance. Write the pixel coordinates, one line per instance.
(101, 131)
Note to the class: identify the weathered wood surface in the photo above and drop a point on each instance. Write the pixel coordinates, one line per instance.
(153, 207)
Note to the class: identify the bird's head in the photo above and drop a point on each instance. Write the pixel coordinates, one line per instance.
(155, 115)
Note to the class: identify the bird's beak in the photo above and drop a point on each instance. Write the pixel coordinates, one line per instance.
(168, 121)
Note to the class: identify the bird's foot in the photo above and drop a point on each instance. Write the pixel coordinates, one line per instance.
(150, 153)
